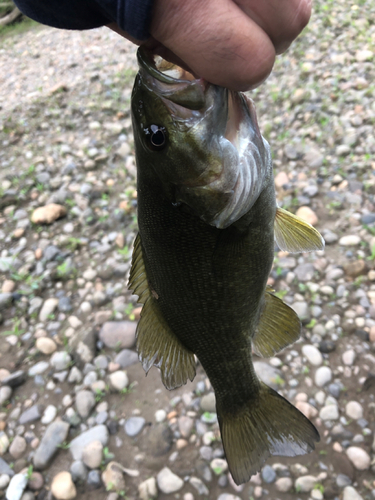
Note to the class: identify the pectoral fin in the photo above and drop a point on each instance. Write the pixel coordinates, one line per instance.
(278, 327)
(295, 235)
(156, 343)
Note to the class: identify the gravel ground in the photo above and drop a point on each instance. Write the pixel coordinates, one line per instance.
(77, 414)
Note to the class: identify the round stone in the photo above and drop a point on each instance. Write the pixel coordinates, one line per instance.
(45, 345)
(312, 354)
(118, 380)
(160, 415)
(323, 376)
(351, 494)
(359, 457)
(92, 454)
(284, 484)
(348, 357)
(49, 414)
(329, 412)
(134, 425)
(349, 240)
(354, 410)
(62, 486)
(268, 474)
(168, 482)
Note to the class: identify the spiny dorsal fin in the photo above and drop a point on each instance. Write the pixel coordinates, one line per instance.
(278, 327)
(156, 343)
(295, 235)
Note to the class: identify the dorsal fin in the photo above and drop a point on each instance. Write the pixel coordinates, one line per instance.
(295, 235)
(156, 343)
(278, 327)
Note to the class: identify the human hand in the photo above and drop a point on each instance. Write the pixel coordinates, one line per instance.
(232, 43)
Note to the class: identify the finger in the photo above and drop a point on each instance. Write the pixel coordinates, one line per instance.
(282, 20)
(219, 42)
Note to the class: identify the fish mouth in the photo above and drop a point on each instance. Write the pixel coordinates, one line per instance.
(180, 90)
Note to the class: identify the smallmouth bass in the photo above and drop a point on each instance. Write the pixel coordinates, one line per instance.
(207, 223)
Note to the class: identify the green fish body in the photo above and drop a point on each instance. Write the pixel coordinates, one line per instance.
(207, 217)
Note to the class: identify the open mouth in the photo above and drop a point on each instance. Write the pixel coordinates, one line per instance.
(171, 82)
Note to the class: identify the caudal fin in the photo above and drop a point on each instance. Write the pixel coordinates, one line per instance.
(268, 425)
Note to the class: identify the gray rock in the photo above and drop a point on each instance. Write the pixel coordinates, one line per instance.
(50, 253)
(31, 414)
(101, 362)
(5, 469)
(93, 479)
(83, 346)
(199, 485)
(75, 376)
(38, 368)
(228, 496)
(17, 447)
(126, 357)
(323, 375)
(97, 433)
(35, 304)
(5, 394)
(185, 425)
(208, 402)
(134, 425)
(351, 494)
(159, 440)
(303, 311)
(168, 482)
(268, 474)
(15, 379)
(342, 480)
(55, 434)
(16, 487)
(329, 412)
(305, 272)
(268, 374)
(312, 354)
(64, 304)
(48, 308)
(78, 471)
(85, 402)
(60, 360)
(5, 300)
(119, 334)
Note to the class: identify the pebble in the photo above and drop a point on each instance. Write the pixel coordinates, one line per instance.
(45, 345)
(148, 489)
(118, 380)
(36, 481)
(85, 402)
(49, 414)
(304, 484)
(208, 403)
(329, 412)
(31, 414)
(312, 354)
(268, 374)
(62, 486)
(60, 360)
(354, 410)
(48, 214)
(185, 425)
(284, 484)
(93, 480)
(323, 376)
(358, 457)
(112, 477)
(134, 425)
(92, 454)
(349, 240)
(5, 394)
(350, 493)
(55, 435)
(17, 447)
(308, 215)
(119, 334)
(38, 368)
(348, 357)
(4, 443)
(4, 481)
(126, 358)
(168, 482)
(77, 445)
(47, 309)
(228, 496)
(268, 474)
(16, 487)
(78, 471)
(160, 415)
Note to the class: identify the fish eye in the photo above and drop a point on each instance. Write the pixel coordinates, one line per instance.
(157, 137)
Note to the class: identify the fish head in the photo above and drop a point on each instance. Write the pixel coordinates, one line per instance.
(202, 140)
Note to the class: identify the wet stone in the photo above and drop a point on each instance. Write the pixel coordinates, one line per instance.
(268, 474)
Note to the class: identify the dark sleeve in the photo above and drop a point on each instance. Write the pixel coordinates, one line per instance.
(133, 16)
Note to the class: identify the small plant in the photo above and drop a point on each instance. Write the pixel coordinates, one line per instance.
(64, 446)
(129, 312)
(279, 381)
(29, 472)
(16, 329)
(312, 323)
(99, 395)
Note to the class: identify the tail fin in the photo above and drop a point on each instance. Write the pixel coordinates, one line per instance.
(268, 425)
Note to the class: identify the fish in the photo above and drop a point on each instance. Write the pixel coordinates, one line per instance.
(208, 221)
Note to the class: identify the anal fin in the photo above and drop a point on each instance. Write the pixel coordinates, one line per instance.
(278, 327)
(295, 235)
(156, 343)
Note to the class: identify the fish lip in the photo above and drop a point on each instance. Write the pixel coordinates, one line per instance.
(189, 93)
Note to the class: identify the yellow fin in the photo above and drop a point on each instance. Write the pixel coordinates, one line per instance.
(295, 235)
(267, 425)
(278, 327)
(156, 343)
